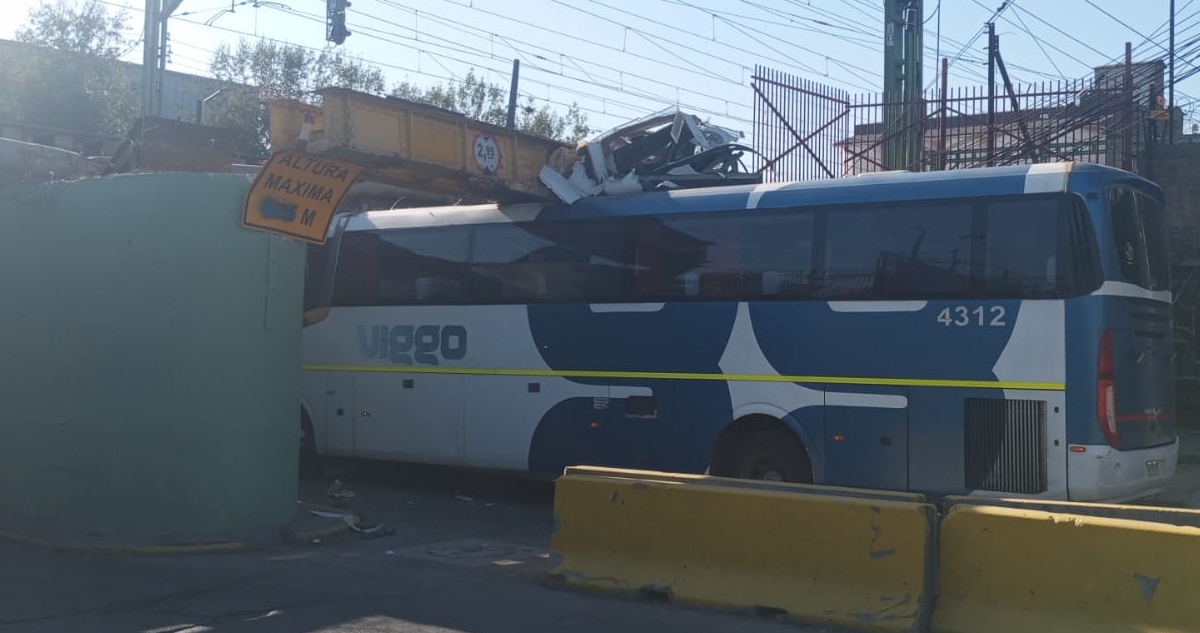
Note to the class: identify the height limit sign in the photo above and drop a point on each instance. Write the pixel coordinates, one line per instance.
(296, 194)
(487, 154)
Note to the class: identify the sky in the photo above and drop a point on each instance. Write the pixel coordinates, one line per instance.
(624, 59)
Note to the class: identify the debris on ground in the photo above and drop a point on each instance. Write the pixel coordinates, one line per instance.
(328, 514)
(367, 530)
(338, 490)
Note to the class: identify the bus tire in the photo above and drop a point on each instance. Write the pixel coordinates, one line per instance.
(310, 461)
(771, 454)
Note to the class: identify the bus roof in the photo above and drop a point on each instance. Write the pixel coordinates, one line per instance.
(875, 187)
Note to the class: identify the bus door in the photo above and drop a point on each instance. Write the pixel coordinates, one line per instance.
(409, 416)
(339, 413)
(866, 437)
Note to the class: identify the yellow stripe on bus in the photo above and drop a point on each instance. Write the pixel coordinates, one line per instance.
(652, 375)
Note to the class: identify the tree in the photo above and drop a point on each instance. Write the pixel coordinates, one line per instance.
(570, 127)
(263, 71)
(475, 99)
(89, 28)
(76, 81)
(472, 98)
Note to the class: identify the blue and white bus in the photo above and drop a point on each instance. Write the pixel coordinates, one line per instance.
(1001, 331)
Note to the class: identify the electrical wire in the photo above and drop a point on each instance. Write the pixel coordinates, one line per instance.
(760, 37)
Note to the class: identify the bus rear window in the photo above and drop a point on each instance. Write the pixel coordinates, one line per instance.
(1139, 234)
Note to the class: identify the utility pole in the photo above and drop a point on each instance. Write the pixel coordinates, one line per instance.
(904, 137)
(154, 53)
(991, 93)
(1127, 131)
(1171, 81)
(1027, 148)
(150, 44)
(914, 21)
(511, 122)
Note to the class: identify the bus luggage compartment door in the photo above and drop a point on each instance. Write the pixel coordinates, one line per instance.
(866, 439)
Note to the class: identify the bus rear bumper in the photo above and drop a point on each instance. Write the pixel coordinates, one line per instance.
(1103, 473)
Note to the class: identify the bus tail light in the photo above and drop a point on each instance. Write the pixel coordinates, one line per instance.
(1106, 402)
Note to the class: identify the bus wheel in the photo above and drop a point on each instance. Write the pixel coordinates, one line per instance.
(310, 462)
(771, 455)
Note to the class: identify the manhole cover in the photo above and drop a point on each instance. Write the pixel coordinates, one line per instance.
(471, 550)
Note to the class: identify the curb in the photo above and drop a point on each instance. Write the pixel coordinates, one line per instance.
(287, 536)
(126, 550)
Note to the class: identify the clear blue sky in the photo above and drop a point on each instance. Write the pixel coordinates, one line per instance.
(622, 59)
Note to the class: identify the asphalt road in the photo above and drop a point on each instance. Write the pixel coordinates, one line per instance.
(467, 555)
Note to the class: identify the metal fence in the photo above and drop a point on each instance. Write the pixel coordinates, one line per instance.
(808, 130)
(1185, 292)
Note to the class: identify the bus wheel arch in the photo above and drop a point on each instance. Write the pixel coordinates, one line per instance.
(760, 446)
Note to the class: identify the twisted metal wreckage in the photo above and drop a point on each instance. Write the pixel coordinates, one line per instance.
(666, 150)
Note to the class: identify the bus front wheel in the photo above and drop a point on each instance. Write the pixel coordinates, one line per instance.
(770, 454)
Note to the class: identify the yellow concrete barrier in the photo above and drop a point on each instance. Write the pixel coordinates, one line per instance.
(757, 484)
(1007, 569)
(858, 563)
(1153, 514)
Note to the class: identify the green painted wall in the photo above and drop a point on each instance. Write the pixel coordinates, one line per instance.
(149, 359)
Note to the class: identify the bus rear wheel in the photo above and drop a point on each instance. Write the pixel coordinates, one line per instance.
(771, 455)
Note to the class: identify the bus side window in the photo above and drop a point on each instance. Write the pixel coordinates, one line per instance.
(418, 266)
(1020, 248)
(738, 256)
(525, 263)
(1079, 264)
(691, 283)
(316, 269)
(772, 282)
(395, 292)
(437, 290)
(357, 278)
(852, 254)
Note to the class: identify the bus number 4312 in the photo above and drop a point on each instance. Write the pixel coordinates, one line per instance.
(963, 316)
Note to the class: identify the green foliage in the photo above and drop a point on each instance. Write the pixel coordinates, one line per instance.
(569, 127)
(76, 81)
(263, 71)
(88, 28)
(474, 98)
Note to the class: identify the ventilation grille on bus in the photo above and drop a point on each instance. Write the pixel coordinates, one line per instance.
(1006, 445)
